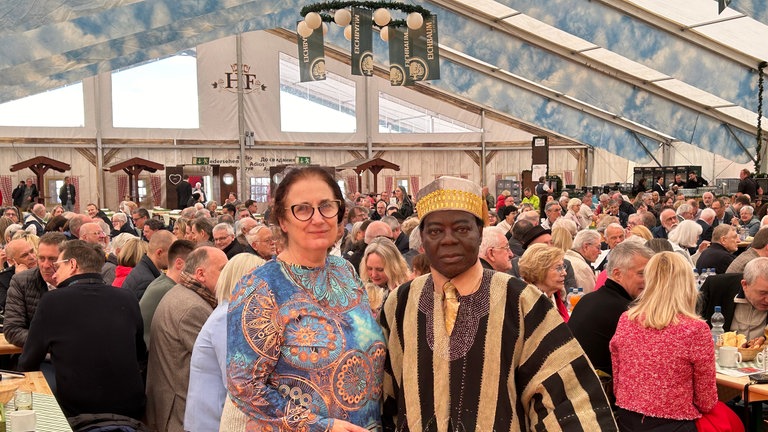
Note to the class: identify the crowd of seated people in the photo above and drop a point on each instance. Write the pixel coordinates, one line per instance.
(604, 244)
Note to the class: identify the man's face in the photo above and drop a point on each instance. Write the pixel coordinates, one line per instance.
(385, 196)
(718, 208)
(29, 182)
(500, 257)
(63, 269)
(708, 198)
(92, 210)
(244, 213)
(613, 210)
(590, 251)
(212, 269)
(46, 256)
(147, 232)
(451, 240)
(10, 213)
(613, 236)
(26, 256)
(222, 239)
(553, 213)
(92, 233)
(358, 217)
(381, 207)
(730, 241)
(508, 201)
(668, 219)
(632, 278)
(757, 293)
(138, 220)
(253, 208)
(264, 244)
(678, 178)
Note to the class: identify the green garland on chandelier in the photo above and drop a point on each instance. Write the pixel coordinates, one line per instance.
(760, 88)
(373, 5)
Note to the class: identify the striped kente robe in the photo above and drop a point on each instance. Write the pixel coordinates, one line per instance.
(510, 364)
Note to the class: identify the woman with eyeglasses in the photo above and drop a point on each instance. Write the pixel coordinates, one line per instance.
(543, 266)
(301, 334)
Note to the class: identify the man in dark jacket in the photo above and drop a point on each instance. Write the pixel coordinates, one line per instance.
(67, 194)
(148, 269)
(94, 334)
(594, 319)
(183, 192)
(743, 298)
(28, 287)
(747, 185)
(719, 254)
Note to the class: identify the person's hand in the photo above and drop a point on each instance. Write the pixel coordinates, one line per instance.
(735, 221)
(342, 426)
(704, 244)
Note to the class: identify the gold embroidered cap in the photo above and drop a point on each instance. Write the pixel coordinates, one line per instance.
(452, 193)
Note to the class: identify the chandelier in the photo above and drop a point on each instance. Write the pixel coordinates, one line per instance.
(413, 45)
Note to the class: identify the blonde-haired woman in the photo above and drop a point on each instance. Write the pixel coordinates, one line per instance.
(208, 367)
(544, 267)
(130, 255)
(383, 269)
(675, 396)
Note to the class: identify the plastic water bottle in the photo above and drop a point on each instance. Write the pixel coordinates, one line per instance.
(717, 321)
(571, 293)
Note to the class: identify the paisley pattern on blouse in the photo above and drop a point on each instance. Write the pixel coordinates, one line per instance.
(329, 285)
(303, 348)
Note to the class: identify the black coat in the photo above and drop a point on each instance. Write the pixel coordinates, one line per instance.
(95, 335)
(183, 194)
(594, 320)
(720, 290)
(715, 256)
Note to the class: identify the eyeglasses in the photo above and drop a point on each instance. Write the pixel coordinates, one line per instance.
(304, 212)
(506, 247)
(266, 240)
(58, 264)
(560, 269)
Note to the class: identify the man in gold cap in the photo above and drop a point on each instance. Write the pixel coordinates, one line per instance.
(479, 350)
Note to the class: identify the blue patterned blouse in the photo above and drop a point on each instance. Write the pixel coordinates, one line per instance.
(303, 348)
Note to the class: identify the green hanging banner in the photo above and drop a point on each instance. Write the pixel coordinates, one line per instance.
(397, 56)
(311, 57)
(424, 59)
(362, 42)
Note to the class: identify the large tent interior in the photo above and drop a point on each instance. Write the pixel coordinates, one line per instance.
(612, 85)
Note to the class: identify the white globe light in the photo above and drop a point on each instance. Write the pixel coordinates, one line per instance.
(381, 17)
(303, 29)
(384, 34)
(325, 29)
(313, 20)
(342, 17)
(348, 32)
(414, 20)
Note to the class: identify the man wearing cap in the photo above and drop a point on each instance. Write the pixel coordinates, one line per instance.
(473, 349)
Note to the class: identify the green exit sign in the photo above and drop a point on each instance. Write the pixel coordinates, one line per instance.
(303, 160)
(200, 161)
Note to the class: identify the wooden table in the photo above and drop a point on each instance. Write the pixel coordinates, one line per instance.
(7, 347)
(50, 418)
(729, 387)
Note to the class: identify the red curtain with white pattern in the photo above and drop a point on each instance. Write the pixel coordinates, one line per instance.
(351, 184)
(122, 186)
(6, 187)
(389, 182)
(76, 183)
(414, 186)
(157, 191)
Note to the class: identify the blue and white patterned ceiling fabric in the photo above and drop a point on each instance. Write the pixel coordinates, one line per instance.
(45, 44)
